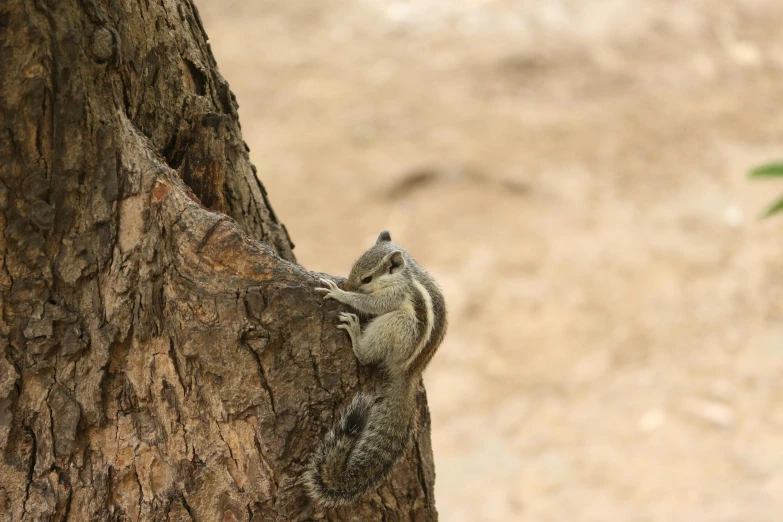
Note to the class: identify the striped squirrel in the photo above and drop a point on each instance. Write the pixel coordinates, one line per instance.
(409, 323)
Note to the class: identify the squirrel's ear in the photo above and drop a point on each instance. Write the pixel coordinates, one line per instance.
(395, 262)
(384, 236)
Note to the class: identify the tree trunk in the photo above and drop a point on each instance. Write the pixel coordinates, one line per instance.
(162, 357)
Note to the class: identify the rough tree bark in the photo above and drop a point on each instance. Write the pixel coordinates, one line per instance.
(162, 356)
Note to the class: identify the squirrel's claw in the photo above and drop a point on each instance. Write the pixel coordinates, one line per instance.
(330, 289)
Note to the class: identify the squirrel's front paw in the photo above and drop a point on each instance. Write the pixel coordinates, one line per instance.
(331, 291)
(352, 325)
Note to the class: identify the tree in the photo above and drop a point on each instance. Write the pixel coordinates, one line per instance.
(162, 355)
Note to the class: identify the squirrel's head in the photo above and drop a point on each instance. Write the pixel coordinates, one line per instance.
(380, 266)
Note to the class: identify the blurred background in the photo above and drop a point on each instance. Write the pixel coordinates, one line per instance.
(574, 174)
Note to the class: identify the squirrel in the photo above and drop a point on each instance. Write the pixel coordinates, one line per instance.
(408, 325)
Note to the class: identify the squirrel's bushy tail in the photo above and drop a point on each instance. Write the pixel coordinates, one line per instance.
(360, 450)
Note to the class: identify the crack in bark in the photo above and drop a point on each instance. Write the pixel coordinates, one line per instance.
(33, 458)
(228, 446)
(420, 472)
(175, 362)
(316, 368)
(264, 382)
(68, 500)
(187, 507)
(270, 469)
(141, 492)
(210, 233)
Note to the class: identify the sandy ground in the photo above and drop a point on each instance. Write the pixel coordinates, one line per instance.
(573, 173)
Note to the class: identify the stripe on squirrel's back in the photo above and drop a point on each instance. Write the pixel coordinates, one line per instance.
(423, 312)
(439, 326)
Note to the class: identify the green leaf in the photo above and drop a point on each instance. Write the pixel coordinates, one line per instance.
(768, 170)
(774, 209)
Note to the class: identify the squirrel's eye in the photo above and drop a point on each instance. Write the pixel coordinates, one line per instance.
(366, 280)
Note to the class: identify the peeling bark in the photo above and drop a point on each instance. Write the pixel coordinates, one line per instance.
(162, 355)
